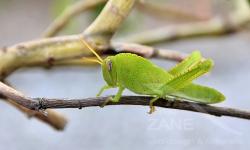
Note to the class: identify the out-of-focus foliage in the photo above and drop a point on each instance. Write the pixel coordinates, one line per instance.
(97, 10)
(132, 23)
(58, 6)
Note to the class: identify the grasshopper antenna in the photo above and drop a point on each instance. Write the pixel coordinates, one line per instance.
(91, 60)
(100, 60)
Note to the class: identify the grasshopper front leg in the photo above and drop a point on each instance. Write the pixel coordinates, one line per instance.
(118, 95)
(116, 98)
(105, 87)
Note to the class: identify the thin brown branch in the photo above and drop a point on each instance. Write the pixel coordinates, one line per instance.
(149, 51)
(173, 103)
(142, 50)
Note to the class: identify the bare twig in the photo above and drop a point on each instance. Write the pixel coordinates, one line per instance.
(148, 51)
(142, 50)
(174, 103)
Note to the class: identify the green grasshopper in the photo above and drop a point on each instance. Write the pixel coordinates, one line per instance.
(141, 76)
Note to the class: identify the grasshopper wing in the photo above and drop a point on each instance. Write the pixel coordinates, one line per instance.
(192, 91)
(187, 64)
(182, 80)
(199, 93)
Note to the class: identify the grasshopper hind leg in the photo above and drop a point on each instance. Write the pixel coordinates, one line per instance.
(151, 105)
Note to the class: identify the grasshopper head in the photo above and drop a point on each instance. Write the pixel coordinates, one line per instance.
(109, 71)
(108, 67)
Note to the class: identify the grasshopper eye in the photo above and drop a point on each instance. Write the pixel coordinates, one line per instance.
(109, 64)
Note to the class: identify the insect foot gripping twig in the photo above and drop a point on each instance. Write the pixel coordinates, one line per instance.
(152, 108)
(114, 99)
